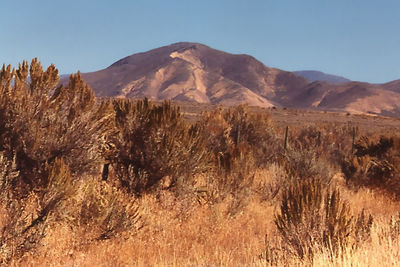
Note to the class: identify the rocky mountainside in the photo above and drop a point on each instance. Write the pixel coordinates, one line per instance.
(197, 73)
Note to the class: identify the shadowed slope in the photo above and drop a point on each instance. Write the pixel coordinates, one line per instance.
(313, 75)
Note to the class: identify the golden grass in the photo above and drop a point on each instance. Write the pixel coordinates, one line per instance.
(181, 232)
(174, 236)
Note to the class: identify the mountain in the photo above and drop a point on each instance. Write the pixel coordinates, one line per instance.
(392, 86)
(313, 75)
(194, 72)
(356, 97)
(197, 73)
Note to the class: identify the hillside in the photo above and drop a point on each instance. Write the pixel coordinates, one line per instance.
(197, 73)
(355, 97)
(192, 72)
(313, 75)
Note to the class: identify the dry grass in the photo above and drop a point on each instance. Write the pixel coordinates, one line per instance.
(181, 232)
(176, 233)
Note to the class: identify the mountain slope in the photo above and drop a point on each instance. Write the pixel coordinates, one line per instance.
(392, 86)
(313, 75)
(197, 73)
(354, 97)
(194, 72)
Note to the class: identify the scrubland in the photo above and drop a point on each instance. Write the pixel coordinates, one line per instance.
(116, 182)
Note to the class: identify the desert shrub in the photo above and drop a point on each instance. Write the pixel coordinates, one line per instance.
(365, 147)
(10, 211)
(324, 137)
(42, 120)
(16, 236)
(103, 211)
(269, 182)
(57, 188)
(155, 143)
(225, 129)
(315, 152)
(304, 164)
(309, 138)
(24, 220)
(374, 164)
(313, 218)
(329, 142)
(233, 176)
(240, 142)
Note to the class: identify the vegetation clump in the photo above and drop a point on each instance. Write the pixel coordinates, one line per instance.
(104, 212)
(374, 164)
(313, 218)
(155, 143)
(42, 121)
(240, 142)
(25, 219)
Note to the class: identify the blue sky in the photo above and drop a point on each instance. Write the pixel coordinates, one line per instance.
(358, 39)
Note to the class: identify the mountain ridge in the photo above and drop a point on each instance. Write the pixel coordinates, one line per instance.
(314, 75)
(194, 72)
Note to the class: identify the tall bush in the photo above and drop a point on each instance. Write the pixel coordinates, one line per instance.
(42, 120)
(154, 143)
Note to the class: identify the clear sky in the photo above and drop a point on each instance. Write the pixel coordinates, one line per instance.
(358, 39)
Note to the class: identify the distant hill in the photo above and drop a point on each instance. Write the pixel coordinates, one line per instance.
(392, 86)
(313, 75)
(197, 73)
(194, 72)
(356, 97)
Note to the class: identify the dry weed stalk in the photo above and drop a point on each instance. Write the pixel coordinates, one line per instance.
(104, 212)
(25, 220)
(312, 218)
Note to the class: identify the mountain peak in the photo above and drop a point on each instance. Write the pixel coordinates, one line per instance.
(163, 51)
(194, 72)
